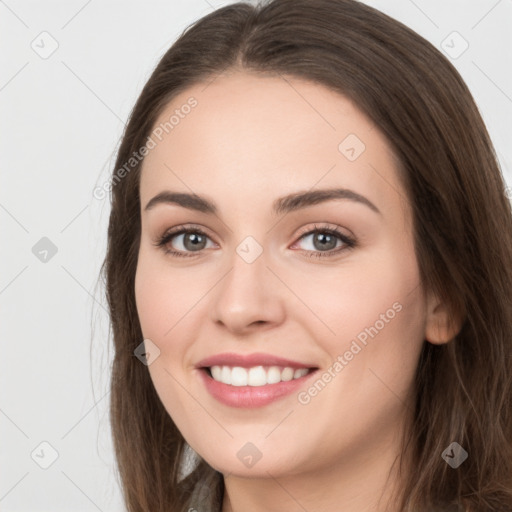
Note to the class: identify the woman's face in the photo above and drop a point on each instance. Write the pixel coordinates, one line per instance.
(266, 291)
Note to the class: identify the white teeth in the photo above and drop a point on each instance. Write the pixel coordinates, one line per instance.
(300, 373)
(216, 372)
(287, 374)
(273, 375)
(239, 376)
(225, 375)
(255, 376)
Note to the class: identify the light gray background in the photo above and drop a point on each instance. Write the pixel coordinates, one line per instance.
(62, 117)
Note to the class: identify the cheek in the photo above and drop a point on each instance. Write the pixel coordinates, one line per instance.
(163, 296)
(377, 288)
(172, 306)
(378, 320)
(162, 300)
(381, 330)
(371, 324)
(152, 304)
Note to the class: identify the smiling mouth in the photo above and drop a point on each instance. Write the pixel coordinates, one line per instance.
(255, 376)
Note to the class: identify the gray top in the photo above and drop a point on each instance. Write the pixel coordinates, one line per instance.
(202, 500)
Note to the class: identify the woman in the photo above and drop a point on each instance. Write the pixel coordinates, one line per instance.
(342, 338)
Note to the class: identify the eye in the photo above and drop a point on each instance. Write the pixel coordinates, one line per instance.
(188, 240)
(323, 241)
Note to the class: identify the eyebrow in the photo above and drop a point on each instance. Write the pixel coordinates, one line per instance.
(285, 204)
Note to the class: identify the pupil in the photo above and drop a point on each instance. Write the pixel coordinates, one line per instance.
(194, 239)
(325, 238)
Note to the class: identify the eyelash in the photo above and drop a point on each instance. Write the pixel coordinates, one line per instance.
(349, 242)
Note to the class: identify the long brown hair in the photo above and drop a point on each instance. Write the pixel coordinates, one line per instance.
(462, 233)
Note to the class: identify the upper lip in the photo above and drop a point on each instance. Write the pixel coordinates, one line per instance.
(250, 360)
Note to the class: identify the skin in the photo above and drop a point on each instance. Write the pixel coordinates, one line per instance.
(250, 139)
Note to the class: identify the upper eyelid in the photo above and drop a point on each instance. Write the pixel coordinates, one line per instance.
(191, 227)
(327, 226)
(185, 228)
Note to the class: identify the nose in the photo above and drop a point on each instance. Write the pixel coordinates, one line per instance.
(249, 297)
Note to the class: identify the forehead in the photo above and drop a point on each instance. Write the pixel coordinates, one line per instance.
(248, 132)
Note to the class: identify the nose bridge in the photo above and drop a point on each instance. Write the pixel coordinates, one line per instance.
(248, 272)
(247, 294)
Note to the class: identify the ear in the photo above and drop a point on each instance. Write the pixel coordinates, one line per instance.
(441, 324)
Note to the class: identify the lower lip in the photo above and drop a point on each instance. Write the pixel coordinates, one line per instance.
(251, 396)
